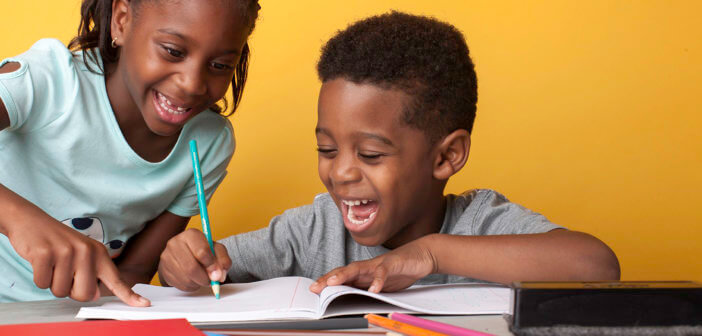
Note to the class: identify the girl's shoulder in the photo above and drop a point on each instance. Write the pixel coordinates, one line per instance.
(211, 130)
(48, 54)
(48, 61)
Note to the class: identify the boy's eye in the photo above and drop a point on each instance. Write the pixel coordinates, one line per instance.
(327, 152)
(370, 156)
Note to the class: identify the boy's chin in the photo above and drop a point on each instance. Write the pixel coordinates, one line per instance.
(366, 241)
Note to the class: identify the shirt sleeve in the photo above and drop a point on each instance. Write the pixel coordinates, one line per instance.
(214, 159)
(45, 82)
(281, 249)
(498, 216)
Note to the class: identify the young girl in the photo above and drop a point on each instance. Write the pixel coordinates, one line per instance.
(95, 169)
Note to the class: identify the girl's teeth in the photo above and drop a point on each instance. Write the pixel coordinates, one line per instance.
(169, 106)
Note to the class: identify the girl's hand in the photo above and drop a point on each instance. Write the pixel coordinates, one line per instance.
(389, 272)
(62, 259)
(68, 262)
(187, 262)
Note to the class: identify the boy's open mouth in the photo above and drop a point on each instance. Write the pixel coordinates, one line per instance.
(359, 212)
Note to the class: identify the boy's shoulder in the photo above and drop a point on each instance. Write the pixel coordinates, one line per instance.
(486, 212)
(323, 205)
(476, 198)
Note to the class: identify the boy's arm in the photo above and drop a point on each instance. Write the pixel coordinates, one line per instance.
(552, 256)
(139, 260)
(558, 255)
(281, 249)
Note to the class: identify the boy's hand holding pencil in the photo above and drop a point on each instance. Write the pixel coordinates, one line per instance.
(188, 264)
(191, 259)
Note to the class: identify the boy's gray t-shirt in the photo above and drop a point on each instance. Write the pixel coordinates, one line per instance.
(311, 240)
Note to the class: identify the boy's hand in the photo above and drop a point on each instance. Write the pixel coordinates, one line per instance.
(389, 272)
(187, 262)
(66, 261)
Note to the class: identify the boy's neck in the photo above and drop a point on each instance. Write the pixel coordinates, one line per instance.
(431, 222)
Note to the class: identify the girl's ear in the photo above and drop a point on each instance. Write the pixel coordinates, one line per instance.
(451, 154)
(120, 19)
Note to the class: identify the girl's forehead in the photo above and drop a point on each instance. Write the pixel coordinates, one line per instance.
(193, 17)
(194, 11)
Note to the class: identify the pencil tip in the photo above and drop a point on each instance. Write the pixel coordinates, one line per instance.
(215, 290)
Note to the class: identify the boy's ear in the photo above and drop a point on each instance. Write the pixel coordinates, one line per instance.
(120, 19)
(451, 154)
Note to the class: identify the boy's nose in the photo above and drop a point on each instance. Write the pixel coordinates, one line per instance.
(344, 170)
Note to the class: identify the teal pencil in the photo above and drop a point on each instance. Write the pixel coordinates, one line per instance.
(202, 203)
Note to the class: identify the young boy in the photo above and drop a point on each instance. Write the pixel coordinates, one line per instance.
(395, 113)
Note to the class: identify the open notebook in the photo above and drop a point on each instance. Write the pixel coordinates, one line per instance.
(289, 298)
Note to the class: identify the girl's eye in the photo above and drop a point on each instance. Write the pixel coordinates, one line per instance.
(174, 52)
(220, 66)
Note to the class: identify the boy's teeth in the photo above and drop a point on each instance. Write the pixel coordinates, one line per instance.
(352, 217)
(356, 202)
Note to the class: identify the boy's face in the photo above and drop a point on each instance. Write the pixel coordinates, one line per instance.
(377, 168)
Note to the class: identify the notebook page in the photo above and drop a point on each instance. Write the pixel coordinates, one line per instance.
(279, 298)
(448, 299)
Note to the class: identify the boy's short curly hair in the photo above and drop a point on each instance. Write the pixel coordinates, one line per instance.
(427, 59)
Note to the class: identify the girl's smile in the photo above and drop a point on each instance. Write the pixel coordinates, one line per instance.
(168, 111)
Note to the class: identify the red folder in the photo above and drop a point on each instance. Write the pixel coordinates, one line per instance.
(170, 327)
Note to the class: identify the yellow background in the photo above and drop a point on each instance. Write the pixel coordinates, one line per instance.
(589, 112)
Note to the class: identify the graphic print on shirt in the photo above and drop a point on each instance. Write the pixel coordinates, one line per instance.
(92, 228)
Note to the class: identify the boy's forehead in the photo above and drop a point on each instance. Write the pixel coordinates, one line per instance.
(344, 99)
(363, 111)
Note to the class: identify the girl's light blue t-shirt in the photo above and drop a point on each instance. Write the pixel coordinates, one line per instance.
(65, 153)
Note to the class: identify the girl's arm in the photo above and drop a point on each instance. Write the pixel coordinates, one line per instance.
(139, 260)
(558, 255)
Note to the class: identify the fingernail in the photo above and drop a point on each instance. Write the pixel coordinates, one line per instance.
(332, 278)
(215, 275)
(373, 288)
(143, 300)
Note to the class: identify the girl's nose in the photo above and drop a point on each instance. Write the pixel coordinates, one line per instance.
(192, 81)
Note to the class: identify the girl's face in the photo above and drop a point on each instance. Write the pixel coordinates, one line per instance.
(177, 58)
